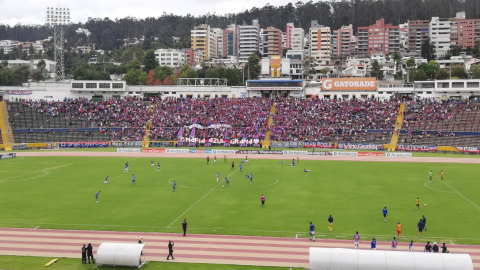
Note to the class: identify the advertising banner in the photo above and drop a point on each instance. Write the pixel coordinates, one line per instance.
(370, 154)
(407, 155)
(222, 151)
(177, 151)
(319, 145)
(19, 146)
(360, 146)
(468, 149)
(286, 144)
(344, 154)
(19, 92)
(349, 84)
(319, 153)
(128, 150)
(127, 144)
(83, 144)
(417, 148)
(153, 151)
(219, 141)
(260, 152)
(296, 153)
(9, 155)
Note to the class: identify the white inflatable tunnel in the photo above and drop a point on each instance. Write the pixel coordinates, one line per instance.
(120, 254)
(358, 259)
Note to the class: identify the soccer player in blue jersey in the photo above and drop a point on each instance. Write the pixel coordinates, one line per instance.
(96, 196)
(356, 237)
(158, 167)
(312, 232)
(385, 213)
(373, 244)
(227, 183)
(133, 179)
(410, 246)
(241, 167)
(251, 178)
(106, 180)
(174, 185)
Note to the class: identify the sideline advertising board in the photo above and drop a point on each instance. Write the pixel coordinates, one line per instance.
(360, 146)
(260, 152)
(9, 155)
(349, 84)
(370, 154)
(296, 153)
(344, 154)
(147, 150)
(417, 148)
(222, 151)
(83, 144)
(328, 145)
(177, 151)
(126, 144)
(319, 153)
(128, 150)
(407, 155)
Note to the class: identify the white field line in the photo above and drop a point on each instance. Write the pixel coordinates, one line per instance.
(458, 192)
(219, 183)
(452, 243)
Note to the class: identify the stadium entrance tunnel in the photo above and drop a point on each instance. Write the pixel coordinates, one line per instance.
(120, 255)
(343, 259)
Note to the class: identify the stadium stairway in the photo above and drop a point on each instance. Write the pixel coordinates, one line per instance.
(7, 135)
(148, 126)
(266, 141)
(398, 127)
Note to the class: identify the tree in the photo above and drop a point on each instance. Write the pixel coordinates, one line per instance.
(307, 64)
(284, 51)
(421, 75)
(41, 64)
(428, 50)
(121, 69)
(459, 72)
(158, 82)
(455, 51)
(21, 73)
(324, 71)
(188, 72)
(474, 72)
(376, 72)
(147, 44)
(6, 77)
(442, 75)
(396, 55)
(151, 77)
(252, 66)
(431, 69)
(168, 80)
(410, 62)
(149, 61)
(163, 72)
(134, 64)
(136, 77)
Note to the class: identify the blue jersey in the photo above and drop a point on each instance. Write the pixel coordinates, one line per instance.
(96, 195)
(133, 177)
(385, 211)
(174, 184)
(312, 227)
(373, 244)
(411, 244)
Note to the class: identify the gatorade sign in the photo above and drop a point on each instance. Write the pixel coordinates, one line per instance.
(349, 84)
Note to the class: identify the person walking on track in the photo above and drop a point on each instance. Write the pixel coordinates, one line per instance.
(184, 226)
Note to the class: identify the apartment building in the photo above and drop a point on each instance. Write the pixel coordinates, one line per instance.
(464, 32)
(418, 32)
(320, 43)
(170, 57)
(203, 38)
(193, 57)
(248, 39)
(378, 38)
(439, 34)
(294, 37)
(227, 42)
(272, 42)
(342, 38)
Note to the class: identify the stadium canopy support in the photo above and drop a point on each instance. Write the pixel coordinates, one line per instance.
(340, 258)
(120, 254)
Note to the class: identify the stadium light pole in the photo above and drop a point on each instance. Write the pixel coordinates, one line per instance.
(58, 20)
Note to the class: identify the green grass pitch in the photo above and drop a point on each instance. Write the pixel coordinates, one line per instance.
(58, 193)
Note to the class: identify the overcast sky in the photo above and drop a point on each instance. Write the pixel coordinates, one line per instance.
(33, 11)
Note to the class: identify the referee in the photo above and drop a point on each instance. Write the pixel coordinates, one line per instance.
(184, 226)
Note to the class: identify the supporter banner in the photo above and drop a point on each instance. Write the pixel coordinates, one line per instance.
(9, 155)
(286, 144)
(398, 154)
(417, 148)
(296, 153)
(169, 144)
(319, 153)
(177, 151)
(218, 141)
(468, 149)
(344, 154)
(127, 144)
(128, 150)
(19, 146)
(156, 144)
(260, 152)
(19, 92)
(221, 151)
(360, 146)
(153, 150)
(83, 144)
(319, 145)
(349, 84)
(370, 154)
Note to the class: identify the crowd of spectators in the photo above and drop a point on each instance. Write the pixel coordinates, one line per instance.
(295, 119)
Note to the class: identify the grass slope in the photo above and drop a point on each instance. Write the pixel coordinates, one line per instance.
(58, 193)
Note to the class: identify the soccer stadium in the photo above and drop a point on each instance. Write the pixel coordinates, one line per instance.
(273, 175)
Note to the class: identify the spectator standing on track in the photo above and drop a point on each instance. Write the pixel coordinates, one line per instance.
(373, 244)
(410, 246)
(84, 255)
(356, 239)
(90, 253)
(170, 250)
(184, 227)
(394, 244)
(424, 220)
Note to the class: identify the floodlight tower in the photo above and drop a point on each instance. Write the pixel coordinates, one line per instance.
(58, 20)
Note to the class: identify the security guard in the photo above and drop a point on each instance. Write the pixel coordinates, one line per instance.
(84, 255)
(90, 253)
